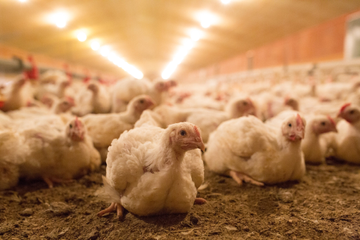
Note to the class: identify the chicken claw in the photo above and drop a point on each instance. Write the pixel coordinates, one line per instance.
(50, 181)
(113, 206)
(240, 178)
(200, 201)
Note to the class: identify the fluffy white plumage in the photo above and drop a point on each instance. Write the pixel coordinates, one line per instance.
(314, 145)
(347, 142)
(153, 171)
(11, 156)
(58, 154)
(247, 149)
(103, 128)
(127, 89)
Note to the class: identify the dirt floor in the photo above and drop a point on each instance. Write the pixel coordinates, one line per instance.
(325, 205)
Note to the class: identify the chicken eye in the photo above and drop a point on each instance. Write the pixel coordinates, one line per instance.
(245, 103)
(70, 125)
(142, 101)
(289, 125)
(183, 133)
(323, 123)
(352, 112)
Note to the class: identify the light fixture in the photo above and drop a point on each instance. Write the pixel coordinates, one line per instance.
(195, 34)
(225, 1)
(178, 58)
(81, 36)
(22, 1)
(59, 19)
(104, 51)
(206, 19)
(95, 45)
(121, 63)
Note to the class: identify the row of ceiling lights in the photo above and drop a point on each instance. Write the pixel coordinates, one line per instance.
(206, 19)
(60, 19)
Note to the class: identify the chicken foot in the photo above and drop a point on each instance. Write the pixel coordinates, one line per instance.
(51, 180)
(200, 201)
(113, 207)
(240, 178)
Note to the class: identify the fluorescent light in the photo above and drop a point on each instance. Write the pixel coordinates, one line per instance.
(206, 19)
(104, 51)
(81, 36)
(121, 63)
(178, 58)
(61, 24)
(195, 34)
(59, 19)
(95, 45)
(225, 1)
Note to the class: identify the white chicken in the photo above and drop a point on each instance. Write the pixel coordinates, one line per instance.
(347, 141)
(250, 151)
(58, 155)
(14, 98)
(101, 100)
(152, 171)
(92, 99)
(208, 120)
(125, 90)
(103, 128)
(314, 145)
(12, 153)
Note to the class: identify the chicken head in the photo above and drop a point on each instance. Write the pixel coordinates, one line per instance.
(350, 113)
(293, 128)
(142, 103)
(185, 136)
(75, 130)
(324, 124)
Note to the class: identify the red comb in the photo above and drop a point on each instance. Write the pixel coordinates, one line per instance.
(77, 122)
(249, 100)
(1, 104)
(344, 106)
(331, 120)
(197, 131)
(299, 121)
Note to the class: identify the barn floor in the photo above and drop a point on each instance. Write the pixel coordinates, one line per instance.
(325, 205)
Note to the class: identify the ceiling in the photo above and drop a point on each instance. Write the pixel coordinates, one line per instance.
(147, 33)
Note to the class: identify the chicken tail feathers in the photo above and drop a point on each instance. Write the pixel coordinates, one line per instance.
(108, 193)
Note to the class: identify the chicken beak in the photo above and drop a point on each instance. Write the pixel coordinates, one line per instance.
(333, 124)
(201, 146)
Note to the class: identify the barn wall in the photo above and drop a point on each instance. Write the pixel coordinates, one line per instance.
(324, 42)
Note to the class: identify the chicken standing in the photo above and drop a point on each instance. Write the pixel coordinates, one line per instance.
(153, 171)
(250, 151)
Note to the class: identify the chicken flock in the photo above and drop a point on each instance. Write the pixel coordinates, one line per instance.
(156, 137)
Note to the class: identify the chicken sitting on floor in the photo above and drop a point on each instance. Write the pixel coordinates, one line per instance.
(250, 151)
(153, 171)
(315, 144)
(11, 156)
(347, 141)
(103, 128)
(58, 154)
